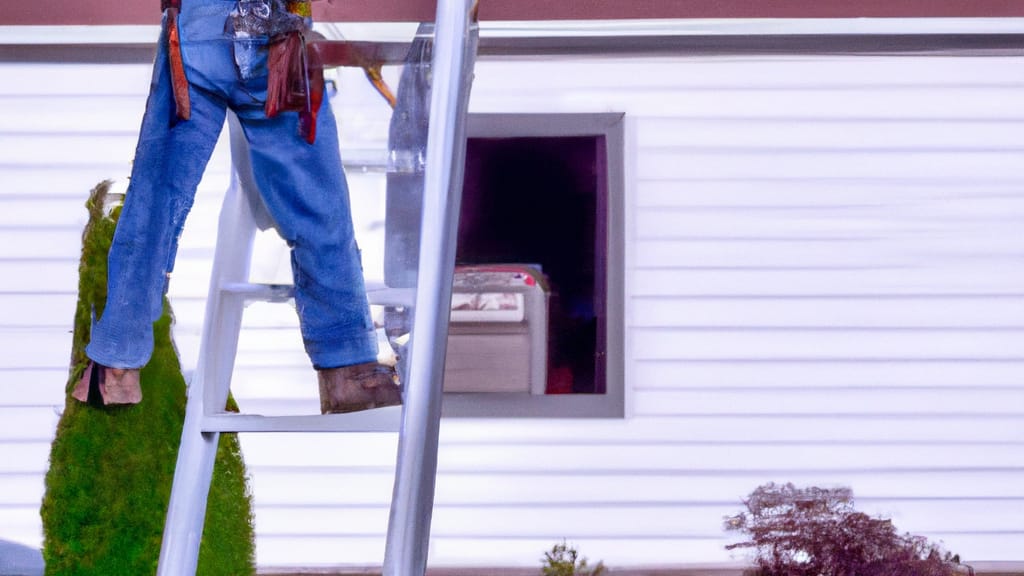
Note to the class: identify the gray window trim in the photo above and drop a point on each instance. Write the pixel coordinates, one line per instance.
(611, 404)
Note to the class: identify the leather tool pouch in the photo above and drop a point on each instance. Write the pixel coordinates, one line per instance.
(288, 80)
(179, 83)
(295, 81)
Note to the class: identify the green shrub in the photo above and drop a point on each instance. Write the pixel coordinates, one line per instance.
(816, 532)
(110, 473)
(564, 560)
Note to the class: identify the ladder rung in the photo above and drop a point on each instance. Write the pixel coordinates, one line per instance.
(377, 294)
(379, 420)
(381, 295)
(266, 292)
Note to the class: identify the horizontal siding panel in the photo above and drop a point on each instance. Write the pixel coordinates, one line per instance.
(260, 359)
(74, 182)
(933, 251)
(767, 256)
(71, 184)
(33, 387)
(80, 114)
(705, 429)
(597, 520)
(280, 489)
(857, 102)
(713, 459)
(76, 81)
(741, 97)
(613, 551)
(577, 459)
(86, 149)
(188, 310)
(991, 516)
(551, 523)
(51, 280)
(781, 428)
(796, 276)
(86, 115)
(46, 213)
(28, 424)
(913, 224)
(981, 548)
(36, 347)
(276, 317)
(776, 372)
(737, 428)
(827, 135)
(830, 401)
(81, 149)
(782, 72)
(852, 312)
(703, 521)
(656, 343)
(25, 457)
(324, 520)
(277, 390)
(48, 312)
(306, 551)
(21, 524)
(806, 163)
(300, 399)
(375, 451)
(20, 491)
(60, 243)
(277, 339)
(61, 182)
(833, 193)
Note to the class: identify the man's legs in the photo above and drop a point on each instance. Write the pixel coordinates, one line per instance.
(304, 188)
(169, 162)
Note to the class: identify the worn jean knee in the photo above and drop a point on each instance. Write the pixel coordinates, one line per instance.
(170, 159)
(305, 190)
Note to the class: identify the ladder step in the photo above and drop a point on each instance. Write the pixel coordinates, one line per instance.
(261, 292)
(378, 420)
(376, 293)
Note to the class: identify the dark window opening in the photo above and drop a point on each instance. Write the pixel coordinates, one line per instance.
(542, 201)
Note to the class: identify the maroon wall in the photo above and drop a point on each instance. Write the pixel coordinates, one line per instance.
(145, 11)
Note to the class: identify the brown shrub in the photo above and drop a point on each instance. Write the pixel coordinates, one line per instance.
(816, 532)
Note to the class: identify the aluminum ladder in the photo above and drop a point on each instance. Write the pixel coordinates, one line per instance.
(417, 421)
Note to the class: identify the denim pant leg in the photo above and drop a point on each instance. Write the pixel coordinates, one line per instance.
(304, 188)
(169, 162)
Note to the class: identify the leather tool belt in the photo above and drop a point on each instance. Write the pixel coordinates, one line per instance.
(179, 84)
(295, 74)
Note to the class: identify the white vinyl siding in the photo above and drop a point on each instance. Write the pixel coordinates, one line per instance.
(824, 285)
(63, 129)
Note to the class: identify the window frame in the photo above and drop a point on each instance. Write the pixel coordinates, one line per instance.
(610, 404)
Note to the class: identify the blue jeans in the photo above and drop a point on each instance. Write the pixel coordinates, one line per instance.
(303, 186)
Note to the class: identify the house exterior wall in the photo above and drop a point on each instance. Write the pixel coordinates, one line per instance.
(823, 286)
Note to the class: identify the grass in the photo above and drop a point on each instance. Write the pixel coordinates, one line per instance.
(110, 473)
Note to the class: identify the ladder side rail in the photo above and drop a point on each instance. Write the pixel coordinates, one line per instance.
(241, 215)
(186, 513)
(413, 495)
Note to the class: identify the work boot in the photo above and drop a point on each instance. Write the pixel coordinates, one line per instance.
(102, 386)
(357, 387)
